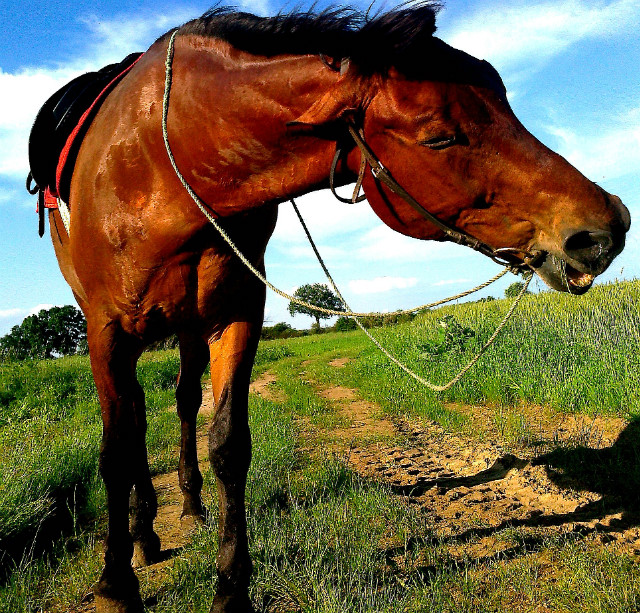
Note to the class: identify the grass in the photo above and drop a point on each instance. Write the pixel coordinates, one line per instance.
(571, 354)
(323, 539)
(319, 534)
(51, 496)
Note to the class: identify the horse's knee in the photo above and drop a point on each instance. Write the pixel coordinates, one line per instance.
(188, 399)
(115, 460)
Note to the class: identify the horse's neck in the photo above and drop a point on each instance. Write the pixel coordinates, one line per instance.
(228, 125)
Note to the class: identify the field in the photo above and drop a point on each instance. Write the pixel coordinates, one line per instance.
(516, 490)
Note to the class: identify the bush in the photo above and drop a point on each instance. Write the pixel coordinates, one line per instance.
(280, 330)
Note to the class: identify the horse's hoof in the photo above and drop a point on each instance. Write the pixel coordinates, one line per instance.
(118, 594)
(146, 552)
(194, 509)
(104, 604)
(232, 604)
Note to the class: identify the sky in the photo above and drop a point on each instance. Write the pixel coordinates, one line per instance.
(571, 67)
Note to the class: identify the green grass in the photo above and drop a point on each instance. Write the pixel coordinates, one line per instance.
(319, 534)
(50, 431)
(323, 539)
(572, 354)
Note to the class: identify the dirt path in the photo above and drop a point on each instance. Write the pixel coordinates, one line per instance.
(174, 533)
(473, 487)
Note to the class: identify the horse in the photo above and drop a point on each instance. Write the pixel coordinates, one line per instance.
(258, 109)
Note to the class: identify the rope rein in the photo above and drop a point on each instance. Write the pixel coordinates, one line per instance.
(348, 313)
(432, 386)
(207, 213)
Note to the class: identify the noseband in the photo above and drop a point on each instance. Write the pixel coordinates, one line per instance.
(503, 256)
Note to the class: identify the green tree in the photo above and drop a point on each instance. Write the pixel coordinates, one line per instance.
(344, 324)
(514, 289)
(280, 330)
(54, 332)
(318, 294)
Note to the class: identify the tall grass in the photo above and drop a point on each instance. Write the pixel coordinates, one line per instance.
(50, 431)
(320, 536)
(324, 540)
(573, 354)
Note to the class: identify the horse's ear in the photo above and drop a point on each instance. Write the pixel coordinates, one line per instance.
(339, 103)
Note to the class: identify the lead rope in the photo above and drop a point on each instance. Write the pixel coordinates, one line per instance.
(207, 213)
(417, 377)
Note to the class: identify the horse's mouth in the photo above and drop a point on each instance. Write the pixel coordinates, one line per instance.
(558, 274)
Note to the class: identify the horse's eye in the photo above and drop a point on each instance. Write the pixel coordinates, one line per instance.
(440, 142)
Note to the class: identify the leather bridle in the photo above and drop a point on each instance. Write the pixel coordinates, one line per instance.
(518, 260)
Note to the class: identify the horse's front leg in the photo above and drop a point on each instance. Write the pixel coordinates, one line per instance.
(230, 454)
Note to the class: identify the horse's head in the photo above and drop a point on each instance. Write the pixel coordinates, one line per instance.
(447, 134)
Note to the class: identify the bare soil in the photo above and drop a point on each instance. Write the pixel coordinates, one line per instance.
(476, 486)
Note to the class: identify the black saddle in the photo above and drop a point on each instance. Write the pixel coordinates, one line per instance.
(58, 118)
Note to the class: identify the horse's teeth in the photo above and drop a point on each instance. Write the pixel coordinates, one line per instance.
(583, 280)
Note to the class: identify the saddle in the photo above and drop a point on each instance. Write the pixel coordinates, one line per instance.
(59, 128)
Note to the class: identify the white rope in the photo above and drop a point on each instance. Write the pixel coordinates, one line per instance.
(423, 381)
(207, 213)
(65, 215)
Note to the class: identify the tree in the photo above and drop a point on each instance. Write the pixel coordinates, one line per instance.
(318, 294)
(54, 332)
(344, 324)
(514, 289)
(280, 330)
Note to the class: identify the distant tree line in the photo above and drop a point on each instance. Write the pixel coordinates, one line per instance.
(53, 332)
(320, 295)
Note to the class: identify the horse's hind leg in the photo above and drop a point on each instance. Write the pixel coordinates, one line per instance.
(194, 357)
(230, 454)
(143, 502)
(113, 357)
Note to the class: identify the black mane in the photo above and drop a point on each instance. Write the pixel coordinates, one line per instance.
(373, 43)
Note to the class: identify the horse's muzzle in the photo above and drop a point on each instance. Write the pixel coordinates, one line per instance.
(591, 251)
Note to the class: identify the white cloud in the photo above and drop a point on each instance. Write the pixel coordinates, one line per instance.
(450, 282)
(14, 316)
(39, 307)
(508, 35)
(9, 196)
(30, 87)
(381, 284)
(10, 313)
(295, 253)
(607, 153)
(383, 243)
(324, 216)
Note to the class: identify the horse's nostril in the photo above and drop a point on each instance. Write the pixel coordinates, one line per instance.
(587, 247)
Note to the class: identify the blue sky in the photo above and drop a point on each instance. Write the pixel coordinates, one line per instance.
(572, 68)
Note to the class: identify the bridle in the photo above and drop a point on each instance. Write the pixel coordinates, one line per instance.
(516, 259)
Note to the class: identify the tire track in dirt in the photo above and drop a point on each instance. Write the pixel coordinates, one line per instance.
(474, 489)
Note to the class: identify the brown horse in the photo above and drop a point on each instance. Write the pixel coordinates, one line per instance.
(257, 107)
